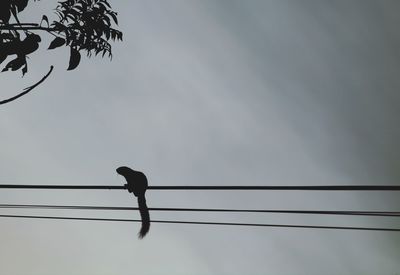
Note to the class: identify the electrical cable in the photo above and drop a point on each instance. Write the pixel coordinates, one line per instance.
(208, 223)
(172, 209)
(217, 187)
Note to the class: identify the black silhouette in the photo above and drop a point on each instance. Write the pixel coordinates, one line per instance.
(137, 184)
(83, 25)
(21, 48)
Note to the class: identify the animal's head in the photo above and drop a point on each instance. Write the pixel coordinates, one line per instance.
(123, 170)
(134, 180)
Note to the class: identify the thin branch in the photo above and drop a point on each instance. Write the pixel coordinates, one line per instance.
(17, 19)
(28, 89)
(26, 27)
(21, 24)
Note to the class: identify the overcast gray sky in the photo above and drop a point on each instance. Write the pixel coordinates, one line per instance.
(220, 93)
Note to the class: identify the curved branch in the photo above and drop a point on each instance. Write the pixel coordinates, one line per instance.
(28, 89)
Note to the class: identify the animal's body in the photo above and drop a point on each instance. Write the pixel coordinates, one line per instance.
(137, 184)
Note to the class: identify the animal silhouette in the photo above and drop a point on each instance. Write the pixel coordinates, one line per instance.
(137, 184)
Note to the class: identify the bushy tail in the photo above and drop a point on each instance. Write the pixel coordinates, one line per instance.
(145, 216)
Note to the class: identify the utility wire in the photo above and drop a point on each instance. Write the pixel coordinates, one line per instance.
(172, 209)
(74, 187)
(208, 223)
(217, 187)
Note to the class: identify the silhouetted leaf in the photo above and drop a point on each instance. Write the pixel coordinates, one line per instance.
(74, 59)
(25, 69)
(20, 4)
(44, 18)
(106, 3)
(114, 17)
(57, 42)
(28, 45)
(3, 57)
(15, 64)
(5, 12)
(6, 36)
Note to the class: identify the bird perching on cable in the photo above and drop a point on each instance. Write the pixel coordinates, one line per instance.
(136, 183)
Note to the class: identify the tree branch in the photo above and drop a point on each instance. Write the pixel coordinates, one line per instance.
(20, 24)
(27, 28)
(28, 89)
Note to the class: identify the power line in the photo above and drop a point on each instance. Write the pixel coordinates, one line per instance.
(285, 187)
(74, 187)
(208, 223)
(172, 209)
(217, 187)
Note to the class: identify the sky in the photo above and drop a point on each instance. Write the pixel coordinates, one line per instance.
(226, 92)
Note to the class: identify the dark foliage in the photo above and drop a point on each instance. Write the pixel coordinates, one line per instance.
(83, 25)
